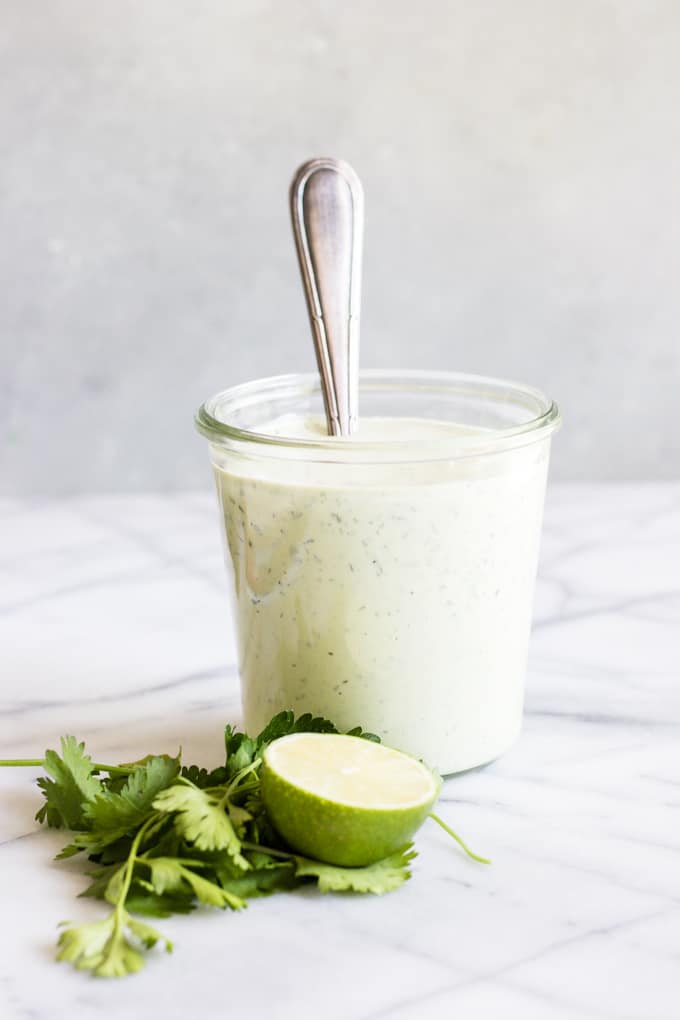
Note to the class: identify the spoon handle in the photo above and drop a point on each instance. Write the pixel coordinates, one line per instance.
(327, 208)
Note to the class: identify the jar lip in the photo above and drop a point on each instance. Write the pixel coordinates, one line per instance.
(305, 384)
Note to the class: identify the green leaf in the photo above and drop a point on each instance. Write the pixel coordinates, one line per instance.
(239, 817)
(277, 877)
(71, 787)
(110, 947)
(262, 859)
(99, 882)
(210, 894)
(260, 829)
(115, 887)
(285, 722)
(364, 734)
(143, 901)
(202, 777)
(201, 819)
(111, 816)
(169, 874)
(147, 935)
(233, 739)
(141, 898)
(378, 878)
(115, 852)
(241, 751)
(166, 874)
(70, 850)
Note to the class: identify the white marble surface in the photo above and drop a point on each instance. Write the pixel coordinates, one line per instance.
(113, 618)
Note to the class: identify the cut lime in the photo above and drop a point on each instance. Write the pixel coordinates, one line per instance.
(344, 800)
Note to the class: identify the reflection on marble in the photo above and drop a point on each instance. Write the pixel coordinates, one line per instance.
(114, 625)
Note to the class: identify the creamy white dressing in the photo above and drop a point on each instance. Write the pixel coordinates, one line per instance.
(394, 595)
(372, 430)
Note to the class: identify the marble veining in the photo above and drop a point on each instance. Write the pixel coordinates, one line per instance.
(114, 625)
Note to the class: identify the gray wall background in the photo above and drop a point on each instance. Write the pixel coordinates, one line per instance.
(521, 164)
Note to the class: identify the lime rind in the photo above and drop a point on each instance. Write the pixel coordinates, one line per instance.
(338, 831)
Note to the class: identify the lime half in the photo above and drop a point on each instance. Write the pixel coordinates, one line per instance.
(344, 800)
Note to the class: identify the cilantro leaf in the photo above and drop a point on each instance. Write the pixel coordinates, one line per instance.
(170, 874)
(239, 817)
(378, 878)
(111, 816)
(147, 935)
(98, 884)
(210, 894)
(285, 722)
(141, 900)
(168, 839)
(201, 819)
(110, 947)
(166, 874)
(260, 829)
(364, 734)
(241, 751)
(258, 881)
(202, 777)
(71, 787)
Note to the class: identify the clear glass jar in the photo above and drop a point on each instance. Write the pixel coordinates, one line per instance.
(385, 579)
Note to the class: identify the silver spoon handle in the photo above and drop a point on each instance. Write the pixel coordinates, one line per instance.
(327, 208)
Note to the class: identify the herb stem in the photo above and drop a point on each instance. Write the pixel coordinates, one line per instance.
(268, 850)
(120, 914)
(113, 770)
(132, 860)
(242, 789)
(32, 763)
(253, 767)
(37, 763)
(462, 843)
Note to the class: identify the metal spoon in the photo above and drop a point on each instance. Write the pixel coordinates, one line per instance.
(327, 208)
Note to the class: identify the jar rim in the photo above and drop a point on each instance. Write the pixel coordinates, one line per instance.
(210, 417)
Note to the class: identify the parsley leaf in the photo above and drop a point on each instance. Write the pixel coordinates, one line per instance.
(378, 878)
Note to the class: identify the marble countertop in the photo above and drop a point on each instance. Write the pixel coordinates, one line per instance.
(114, 626)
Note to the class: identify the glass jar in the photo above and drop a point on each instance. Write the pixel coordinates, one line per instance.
(385, 579)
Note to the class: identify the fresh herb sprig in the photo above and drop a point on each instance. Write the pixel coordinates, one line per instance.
(166, 837)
